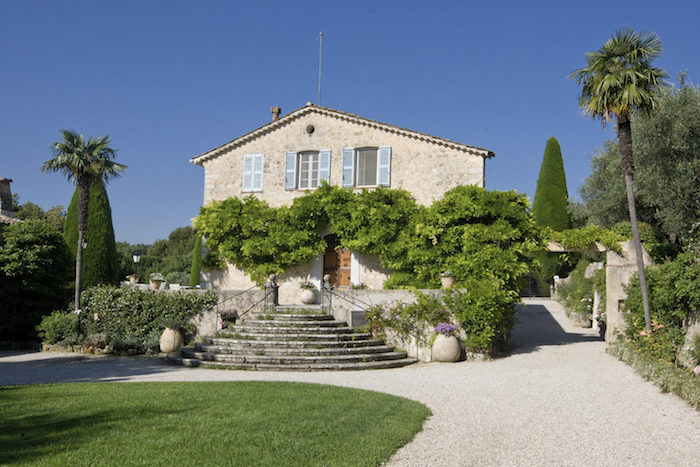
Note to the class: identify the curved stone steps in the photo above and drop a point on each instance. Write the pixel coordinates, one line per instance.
(376, 365)
(292, 338)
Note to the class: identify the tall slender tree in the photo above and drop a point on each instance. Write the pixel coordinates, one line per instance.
(617, 82)
(82, 162)
(551, 203)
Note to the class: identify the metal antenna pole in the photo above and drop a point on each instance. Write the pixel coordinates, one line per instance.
(320, 54)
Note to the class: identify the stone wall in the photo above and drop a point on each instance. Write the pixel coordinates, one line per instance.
(424, 168)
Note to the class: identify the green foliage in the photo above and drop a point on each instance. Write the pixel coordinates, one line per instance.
(659, 250)
(129, 313)
(586, 237)
(172, 257)
(60, 327)
(263, 240)
(196, 262)
(667, 175)
(484, 311)
(673, 297)
(35, 269)
(100, 263)
(550, 207)
(29, 211)
(472, 232)
(576, 294)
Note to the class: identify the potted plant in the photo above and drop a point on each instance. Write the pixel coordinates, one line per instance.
(446, 347)
(308, 296)
(156, 279)
(171, 341)
(133, 278)
(447, 279)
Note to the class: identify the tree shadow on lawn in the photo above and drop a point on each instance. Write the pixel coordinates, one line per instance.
(536, 327)
(69, 368)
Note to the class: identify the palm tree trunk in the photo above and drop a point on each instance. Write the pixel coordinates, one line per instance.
(624, 132)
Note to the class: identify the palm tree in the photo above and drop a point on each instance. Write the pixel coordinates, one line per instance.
(82, 163)
(618, 82)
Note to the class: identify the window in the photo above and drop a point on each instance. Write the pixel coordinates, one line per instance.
(367, 166)
(306, 170)
(252, 172)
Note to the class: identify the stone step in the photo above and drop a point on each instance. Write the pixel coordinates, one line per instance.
(295, 334)
(288, 329)
(277, 350)
(292, 338)
(296, 323)
(290, 359)
(278, 316)
(375, 365)
(293, 344)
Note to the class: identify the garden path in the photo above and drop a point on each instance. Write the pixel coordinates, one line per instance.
(558, 399)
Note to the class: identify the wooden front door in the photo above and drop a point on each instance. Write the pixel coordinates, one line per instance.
(336, 263)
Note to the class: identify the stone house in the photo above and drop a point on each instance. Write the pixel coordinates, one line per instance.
(7, 215)
(296, 152)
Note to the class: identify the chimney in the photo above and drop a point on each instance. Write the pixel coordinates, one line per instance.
(6, 198)
(275, 113)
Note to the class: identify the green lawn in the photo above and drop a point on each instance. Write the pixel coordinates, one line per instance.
(202, 424)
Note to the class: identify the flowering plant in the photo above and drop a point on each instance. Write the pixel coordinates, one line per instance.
(446, 328)
(358, 286)
(307, 285)
(446, 274)
(156, 276)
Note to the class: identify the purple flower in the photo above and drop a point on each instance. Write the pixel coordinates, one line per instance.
(445, 328)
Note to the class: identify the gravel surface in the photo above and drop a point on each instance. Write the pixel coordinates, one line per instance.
(557, 400)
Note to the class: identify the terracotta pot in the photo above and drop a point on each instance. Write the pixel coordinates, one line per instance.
(447, 281)
(446, 349)
(307, 296)
(155, 285)
(171, 341)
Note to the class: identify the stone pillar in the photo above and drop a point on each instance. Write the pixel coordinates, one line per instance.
(618, 271)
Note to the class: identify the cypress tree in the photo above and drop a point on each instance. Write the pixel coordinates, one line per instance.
(550, 207)
(196, 262)
(100, 262)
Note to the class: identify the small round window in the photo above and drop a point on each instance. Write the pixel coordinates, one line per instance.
(310, 129)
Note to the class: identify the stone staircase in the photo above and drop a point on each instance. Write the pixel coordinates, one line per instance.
(292, 338)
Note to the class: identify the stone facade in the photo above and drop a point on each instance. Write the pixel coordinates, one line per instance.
(424, 165)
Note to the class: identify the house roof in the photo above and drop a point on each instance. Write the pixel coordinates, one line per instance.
(311, 108)
(8, 219)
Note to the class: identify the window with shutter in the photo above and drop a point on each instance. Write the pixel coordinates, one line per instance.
(252, 172)
(367, 167)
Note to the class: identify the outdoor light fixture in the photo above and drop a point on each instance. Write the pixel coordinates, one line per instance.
(136, 257)
(84, 244)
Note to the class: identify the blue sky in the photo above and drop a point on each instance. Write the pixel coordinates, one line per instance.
(168, 80)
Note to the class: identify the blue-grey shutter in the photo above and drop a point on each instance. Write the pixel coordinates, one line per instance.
(290, 171)
(324, 166)
(257, 172)
(384, 165)
(247, 172)
(348, 167)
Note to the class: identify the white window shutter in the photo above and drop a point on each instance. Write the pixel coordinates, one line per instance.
(290, 171)
(247, 172)
(324, 167)
(384, 165)
(257, 172)
(348, 167)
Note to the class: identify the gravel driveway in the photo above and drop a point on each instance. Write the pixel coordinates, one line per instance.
(557, 400)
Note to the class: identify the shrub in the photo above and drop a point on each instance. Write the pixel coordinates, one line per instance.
(59, 328)
(128, 317)
(674, 296)
(576, 294)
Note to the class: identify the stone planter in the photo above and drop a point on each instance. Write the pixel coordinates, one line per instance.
(307, 297)
(446, 349)
(133, 278)
(580, 320)
(447, 281)
(156, 285)
(171, 341)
